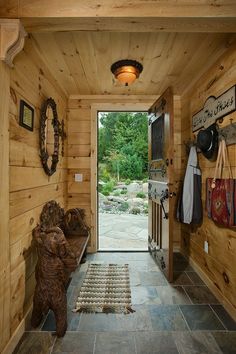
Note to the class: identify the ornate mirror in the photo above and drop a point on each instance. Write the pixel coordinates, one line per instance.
(49, 132)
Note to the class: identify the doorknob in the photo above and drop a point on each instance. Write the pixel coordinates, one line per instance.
(172, 194)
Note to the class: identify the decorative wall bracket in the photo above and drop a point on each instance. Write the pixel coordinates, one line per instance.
(12, 39)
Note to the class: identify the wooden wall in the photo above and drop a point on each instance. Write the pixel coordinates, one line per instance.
(30, 187)
(222, 241)
(82, 149)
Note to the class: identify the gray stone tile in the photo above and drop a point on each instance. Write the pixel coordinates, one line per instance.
(78, 278)
(143, 266)
(182, 278)
(75, 343)
(182, 266)
(195, 278)
(172, 295)
(223, 315)
(201, 317)
(140, 320)
(196, 343)
(100, 322)
(74, 295)
(50, 323)
(152, 279)
(144, 295)
(155, 342)
(134, 279)
(167, 318)
(226, 341)
(35, 343)
(72, 321)
(200, 295)
(97, 322)
(117, 343)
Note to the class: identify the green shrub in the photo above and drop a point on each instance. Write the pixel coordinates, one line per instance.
(127, 182)
(116, 193)
(141, 195)
(104, 174)
(145, 180)
(145, 210)
(108, 188)
(124, 191)
(123, 206)
(135, 211)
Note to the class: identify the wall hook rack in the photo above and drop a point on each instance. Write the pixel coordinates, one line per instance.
(228, 133)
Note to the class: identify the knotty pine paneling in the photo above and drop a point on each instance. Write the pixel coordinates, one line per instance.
(221, 259)
(30, 187)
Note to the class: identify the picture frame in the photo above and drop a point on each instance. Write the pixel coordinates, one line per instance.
(26, 118)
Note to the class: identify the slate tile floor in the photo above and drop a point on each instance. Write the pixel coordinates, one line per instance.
(179, 318)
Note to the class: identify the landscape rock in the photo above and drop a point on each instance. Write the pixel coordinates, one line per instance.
(145, 187)
(113, 198)
(135, 202)
(134, 187)
(101, 197)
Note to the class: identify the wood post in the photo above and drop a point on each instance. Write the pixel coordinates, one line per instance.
(4, 206)
(11, 42)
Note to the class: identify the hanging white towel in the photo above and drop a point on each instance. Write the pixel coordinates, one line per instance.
(190, 210)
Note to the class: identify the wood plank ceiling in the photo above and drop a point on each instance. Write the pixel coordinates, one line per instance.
(80, 61)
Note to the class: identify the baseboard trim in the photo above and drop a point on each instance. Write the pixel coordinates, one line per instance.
(220, 297)
(15, 338)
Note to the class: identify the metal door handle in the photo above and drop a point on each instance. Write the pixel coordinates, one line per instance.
(166, 216)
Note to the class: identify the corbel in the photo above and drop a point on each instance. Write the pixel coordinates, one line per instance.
(12, 39)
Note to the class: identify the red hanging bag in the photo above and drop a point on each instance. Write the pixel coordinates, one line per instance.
(221, 192)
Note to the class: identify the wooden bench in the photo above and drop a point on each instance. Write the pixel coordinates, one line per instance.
(61, 240)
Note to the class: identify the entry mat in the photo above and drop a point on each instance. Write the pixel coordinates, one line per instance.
(105, 289)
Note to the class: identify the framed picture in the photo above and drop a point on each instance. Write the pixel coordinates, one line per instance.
(26, 116)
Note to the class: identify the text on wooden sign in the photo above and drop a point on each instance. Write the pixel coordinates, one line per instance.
(215, 108)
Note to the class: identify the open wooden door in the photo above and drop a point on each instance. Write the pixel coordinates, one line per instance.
(161, 201)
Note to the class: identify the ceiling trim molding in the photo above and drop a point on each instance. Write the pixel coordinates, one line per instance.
(123, 97)
(132, 24)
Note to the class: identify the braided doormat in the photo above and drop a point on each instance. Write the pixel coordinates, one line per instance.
(106, 288)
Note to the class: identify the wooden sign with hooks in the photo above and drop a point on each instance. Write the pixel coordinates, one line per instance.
(228, 133)
(215, 108)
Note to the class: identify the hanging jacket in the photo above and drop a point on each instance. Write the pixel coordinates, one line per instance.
(190, 204)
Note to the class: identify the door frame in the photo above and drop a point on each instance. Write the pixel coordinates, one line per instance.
(95, 109)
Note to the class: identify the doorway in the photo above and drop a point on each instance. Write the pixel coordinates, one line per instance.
(122, 181)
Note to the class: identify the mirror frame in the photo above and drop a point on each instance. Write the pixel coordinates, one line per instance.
(49, 170)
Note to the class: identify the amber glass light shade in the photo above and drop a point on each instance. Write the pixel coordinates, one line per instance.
(126, 71)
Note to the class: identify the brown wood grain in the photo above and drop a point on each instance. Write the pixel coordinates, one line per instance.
(222, 241)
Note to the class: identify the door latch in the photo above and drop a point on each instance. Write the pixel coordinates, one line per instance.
(164, 196)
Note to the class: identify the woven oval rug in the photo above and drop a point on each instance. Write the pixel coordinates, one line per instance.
(106, 288)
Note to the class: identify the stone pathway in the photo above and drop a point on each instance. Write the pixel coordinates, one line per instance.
(123, 232)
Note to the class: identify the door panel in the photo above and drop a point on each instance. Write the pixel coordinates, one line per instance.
(161, 208)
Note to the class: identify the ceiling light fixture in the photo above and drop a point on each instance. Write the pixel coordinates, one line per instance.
(126, 71)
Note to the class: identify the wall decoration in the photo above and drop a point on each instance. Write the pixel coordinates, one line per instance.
(62, 134)
(26, 118)
(214, 109)
(43, 136)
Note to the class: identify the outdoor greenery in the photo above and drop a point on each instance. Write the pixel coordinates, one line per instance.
(141, 195)
(123, 147)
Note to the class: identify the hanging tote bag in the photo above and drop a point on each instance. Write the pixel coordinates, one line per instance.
(221, 192)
